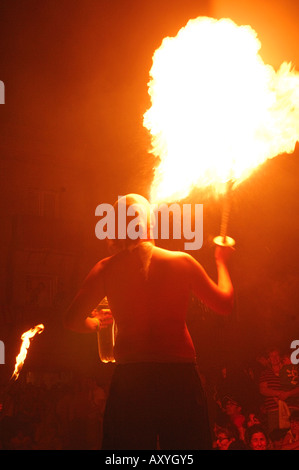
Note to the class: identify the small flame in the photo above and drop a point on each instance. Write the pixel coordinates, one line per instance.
(217, 110)
(26, 337)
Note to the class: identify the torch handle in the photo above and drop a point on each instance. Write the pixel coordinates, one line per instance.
(225, 217)
(223, 239)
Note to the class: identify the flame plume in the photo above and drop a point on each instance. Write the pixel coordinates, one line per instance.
(26, 337)
(217, 110)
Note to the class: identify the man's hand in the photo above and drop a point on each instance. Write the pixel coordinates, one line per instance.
(283, 395)
(223, 254)
(104, 316)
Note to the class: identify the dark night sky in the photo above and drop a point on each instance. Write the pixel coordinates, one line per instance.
(75, 75)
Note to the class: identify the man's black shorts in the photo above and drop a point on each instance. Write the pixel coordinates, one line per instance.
(151, 400)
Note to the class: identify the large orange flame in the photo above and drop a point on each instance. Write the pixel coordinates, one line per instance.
(26, 337)
(217, 110)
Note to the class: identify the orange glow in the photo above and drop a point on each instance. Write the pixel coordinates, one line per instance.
(26, 337)
(217, 110)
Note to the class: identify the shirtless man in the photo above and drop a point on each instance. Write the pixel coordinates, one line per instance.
(155, 390)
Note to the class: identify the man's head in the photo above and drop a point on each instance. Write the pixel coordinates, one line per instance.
(231, 406)
(256, 438)
(274, 357)
(134, 221)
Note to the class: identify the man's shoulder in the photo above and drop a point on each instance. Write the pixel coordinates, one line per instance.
(102, 264)
(163, 253)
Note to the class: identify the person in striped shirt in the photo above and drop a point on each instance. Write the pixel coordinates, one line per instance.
(273, 391)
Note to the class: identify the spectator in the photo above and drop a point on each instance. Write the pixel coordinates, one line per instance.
(227, 439)
(224, 438)
(234, 414)
(278, 397)
(291, 440)
(256, 438)
(270, 388)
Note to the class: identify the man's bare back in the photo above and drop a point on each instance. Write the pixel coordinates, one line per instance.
(148, 289)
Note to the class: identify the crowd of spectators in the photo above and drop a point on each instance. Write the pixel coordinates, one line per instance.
(64, 416)
(252, 407)
(257, 406)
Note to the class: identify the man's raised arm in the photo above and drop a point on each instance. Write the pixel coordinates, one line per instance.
(219, 297)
